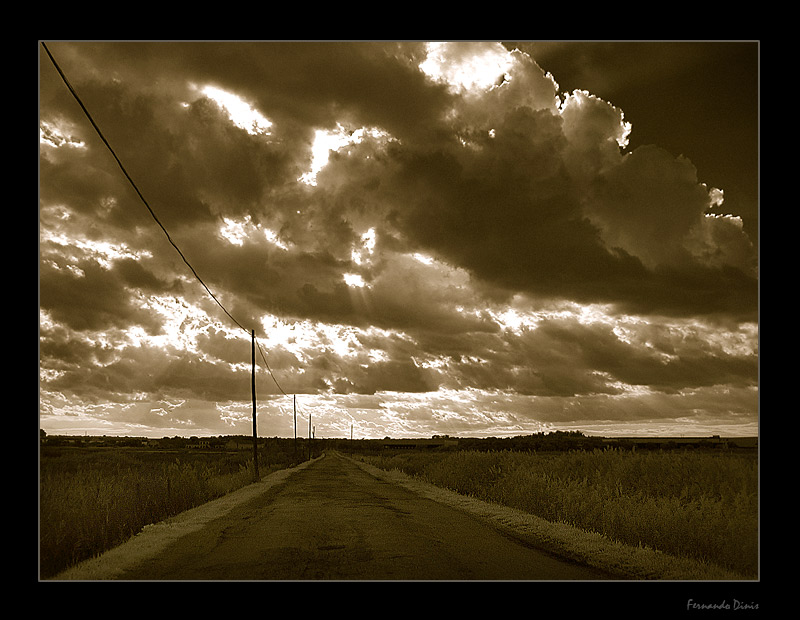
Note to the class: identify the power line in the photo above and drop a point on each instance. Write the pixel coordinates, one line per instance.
(260, 350)
(136, 189)
(150, 210)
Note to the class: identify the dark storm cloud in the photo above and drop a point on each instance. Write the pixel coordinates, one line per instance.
(91, 297)
(583, 358)
(518, 194)
(510, 210)
(302, 85)
(565, 357)
(713, 90)
(514, 215)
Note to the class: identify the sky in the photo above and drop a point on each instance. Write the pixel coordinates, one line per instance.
(428, 238)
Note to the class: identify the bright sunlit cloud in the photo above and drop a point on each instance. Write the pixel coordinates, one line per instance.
(367, 248)
(234, 231)
(239, 111)
(273, 238)
(103, 252)
(467, 66)
(573, 102)
(182, 323)
(326, 141)
(58, 134)
(354, 279)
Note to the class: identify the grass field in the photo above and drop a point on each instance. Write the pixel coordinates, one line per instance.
(701, 505)
(94, 499)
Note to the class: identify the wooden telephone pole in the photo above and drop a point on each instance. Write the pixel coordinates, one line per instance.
(295, 424)
(253, 383)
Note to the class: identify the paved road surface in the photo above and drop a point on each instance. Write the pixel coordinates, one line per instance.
(332, 520)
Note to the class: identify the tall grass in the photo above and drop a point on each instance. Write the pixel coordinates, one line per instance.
(699, 505)
(93, 500)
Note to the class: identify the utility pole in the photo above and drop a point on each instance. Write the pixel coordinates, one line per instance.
(295, 425)
(253, 383)
(309, 436)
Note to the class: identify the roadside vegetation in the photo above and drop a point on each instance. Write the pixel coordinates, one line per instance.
(93, 499)
(701, 505)
(698, 504)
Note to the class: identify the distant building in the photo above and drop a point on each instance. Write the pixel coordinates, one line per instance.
(199, 444)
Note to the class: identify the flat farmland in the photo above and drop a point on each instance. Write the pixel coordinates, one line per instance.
(575, 515)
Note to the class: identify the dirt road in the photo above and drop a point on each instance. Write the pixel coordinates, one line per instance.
(332, 520)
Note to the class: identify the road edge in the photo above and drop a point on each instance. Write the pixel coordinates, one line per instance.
(153, 538)
(622, 562)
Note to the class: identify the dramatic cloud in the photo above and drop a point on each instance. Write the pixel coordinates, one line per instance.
(426, 238)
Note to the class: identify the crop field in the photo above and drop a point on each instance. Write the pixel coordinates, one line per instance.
(94, 499)
(701, 505)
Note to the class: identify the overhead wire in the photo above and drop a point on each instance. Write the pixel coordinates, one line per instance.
(269, 370)
(152, 213)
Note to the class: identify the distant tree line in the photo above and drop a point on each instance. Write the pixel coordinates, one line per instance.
(555, 441)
